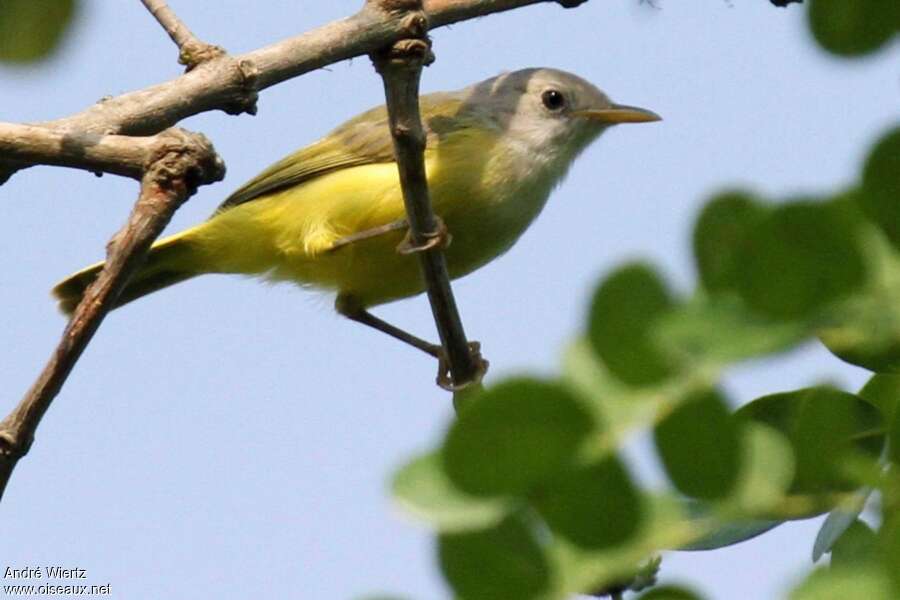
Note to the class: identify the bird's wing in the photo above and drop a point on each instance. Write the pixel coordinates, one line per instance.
(363, 140)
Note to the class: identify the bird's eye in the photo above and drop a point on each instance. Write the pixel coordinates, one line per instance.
(553, 100)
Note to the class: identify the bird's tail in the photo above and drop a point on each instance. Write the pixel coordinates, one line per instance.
(167, 263)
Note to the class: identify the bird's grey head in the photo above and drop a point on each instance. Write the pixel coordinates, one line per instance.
(549, 114)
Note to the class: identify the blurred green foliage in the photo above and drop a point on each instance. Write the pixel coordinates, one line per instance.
(497, 563)
(699, 446)
(528, 492)
(621, 322)
(529, 428)
(854, 27)
(31, 30)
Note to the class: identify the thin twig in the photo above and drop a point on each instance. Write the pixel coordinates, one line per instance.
(230, 83)
(191, 50)
(447, 12)
(400, 66)
(183, 162)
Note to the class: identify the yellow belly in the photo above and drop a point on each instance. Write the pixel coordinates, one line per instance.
(288, 235)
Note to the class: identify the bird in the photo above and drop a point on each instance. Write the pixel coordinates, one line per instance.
(331, 215)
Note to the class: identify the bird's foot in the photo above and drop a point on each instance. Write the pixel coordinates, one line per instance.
(439, 238)
(444, 378)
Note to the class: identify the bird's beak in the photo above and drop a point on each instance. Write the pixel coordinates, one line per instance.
(619, 113)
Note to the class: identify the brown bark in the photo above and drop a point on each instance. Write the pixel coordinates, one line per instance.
(179, 162)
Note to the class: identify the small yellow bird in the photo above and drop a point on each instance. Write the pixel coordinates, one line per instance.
(331, 215)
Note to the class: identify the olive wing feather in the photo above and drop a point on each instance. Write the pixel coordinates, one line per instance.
(363, 140)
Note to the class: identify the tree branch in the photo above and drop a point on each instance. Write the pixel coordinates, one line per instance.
(447, 12)
(181, 162)
(400, 66)
(118, 154)
(191, 50)
(231, 83)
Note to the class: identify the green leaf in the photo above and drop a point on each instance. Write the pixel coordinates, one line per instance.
(594, 506)
(669, 592)
(499, 563)
(845, 584)
(698, 444)
(880, 192)
(853, 27)
(889, 544)
(732, 533)
(864, 330)
(663, 526)
(423, 489)
(855, 547)
(798, 258)
(32, 29)
(837, 523)
(622, 316)
(768, 468)
(719, 233)
(721, 330)
(767, 473)
(514, 436)
(825, 426)
(883, 390)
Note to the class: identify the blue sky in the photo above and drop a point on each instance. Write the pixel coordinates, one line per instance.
(229, 438)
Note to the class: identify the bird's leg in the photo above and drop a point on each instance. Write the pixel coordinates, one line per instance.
(350, 308)
(369, 234)
(440, 238)
(347, 306)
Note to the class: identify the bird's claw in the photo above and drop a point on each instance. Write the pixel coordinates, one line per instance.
(444, 378)
(439, 238)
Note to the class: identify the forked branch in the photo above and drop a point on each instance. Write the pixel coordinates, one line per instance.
(191, 50)
(181, 162)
